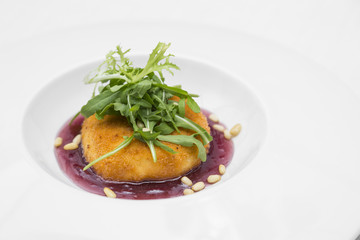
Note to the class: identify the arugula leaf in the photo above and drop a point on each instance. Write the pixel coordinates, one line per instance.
(101, 113)
(163, 146)
(142, 87)
(167, 112)
(134, 108)
(122, 108)
(186, 141)
(173, 90)
(98, 103)
(148, 98)
(182, 107)
(188, 124)
(154, 77)
(193, 105)
(141, 102)
(164, 128)
(148, 135)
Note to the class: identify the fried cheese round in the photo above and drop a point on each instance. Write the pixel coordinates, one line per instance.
(134, 163)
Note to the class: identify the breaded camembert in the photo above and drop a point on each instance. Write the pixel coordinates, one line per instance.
(135, 163)
(119, 147)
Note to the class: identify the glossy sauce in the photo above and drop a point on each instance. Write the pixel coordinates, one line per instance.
(72, 162)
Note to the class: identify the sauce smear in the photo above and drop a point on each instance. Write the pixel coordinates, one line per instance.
(72, 162)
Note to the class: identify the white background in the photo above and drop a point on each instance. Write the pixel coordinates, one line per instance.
(326, 31)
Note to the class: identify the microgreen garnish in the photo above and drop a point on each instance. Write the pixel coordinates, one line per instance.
(140, 95)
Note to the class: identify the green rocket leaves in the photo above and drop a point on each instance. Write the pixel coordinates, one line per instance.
(140, 95)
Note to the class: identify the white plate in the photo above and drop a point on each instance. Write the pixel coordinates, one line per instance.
(302, 185)
(67, 93)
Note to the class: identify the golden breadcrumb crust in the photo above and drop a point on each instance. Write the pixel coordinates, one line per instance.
(134, 162)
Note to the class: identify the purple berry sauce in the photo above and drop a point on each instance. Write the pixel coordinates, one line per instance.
(72, 162)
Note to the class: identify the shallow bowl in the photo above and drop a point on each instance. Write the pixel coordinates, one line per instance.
(220, 92)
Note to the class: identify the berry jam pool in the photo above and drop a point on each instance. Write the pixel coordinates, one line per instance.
(72, 162)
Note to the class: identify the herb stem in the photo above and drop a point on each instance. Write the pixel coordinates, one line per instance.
(75, 116)
(132, 118)
(118, 148)
(152, 150)
(108, 77)
(150, 143)
(93, 94)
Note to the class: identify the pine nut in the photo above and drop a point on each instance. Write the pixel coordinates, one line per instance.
(77, 139)
(188, 191)
(146, 130)
(186, 181)
(140, 124)
(214, 118)
(227, 134)
(213, 178)
(235, 130)
(198, 186)
(58, 142)
(222, 169)
(109, 193)
(219, 127)
(71, 146)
